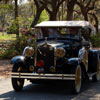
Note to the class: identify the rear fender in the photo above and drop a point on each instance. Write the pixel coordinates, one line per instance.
(93, 58)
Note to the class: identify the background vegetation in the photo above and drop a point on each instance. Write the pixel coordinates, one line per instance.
(14, 18)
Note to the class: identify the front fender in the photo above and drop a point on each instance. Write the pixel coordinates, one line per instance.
(76, 61)
(73, 61)
(18, 59)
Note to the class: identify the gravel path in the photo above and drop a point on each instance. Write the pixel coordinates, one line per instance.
(5, 67)
(48, 92)
(90, 90)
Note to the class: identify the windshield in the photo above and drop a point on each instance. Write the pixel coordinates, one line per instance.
(57, 32)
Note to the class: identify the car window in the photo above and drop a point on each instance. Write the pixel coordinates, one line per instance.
(57, 32)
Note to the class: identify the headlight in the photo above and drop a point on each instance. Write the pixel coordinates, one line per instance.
(28, 51)
(60, 52)
(83, 55)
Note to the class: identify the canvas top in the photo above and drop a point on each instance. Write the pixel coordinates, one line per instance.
(80, 24)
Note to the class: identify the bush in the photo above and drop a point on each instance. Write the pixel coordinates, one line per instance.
(17, 46)
(95, 40)
(11, 29)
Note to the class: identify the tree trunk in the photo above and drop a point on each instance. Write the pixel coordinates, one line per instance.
(96, 23)
(69, 14)
(2, 27)
(16, 18)
(85, 17)
(84, 13)
(53, 16)
(38, 13)
(70, 9)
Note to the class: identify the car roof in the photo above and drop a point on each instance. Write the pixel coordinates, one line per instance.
(78, 24)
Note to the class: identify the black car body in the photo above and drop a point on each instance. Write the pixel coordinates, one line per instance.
(62, 52)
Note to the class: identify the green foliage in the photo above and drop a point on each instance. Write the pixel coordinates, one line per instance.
(8, 53)
(3, 11)
(95, 40)
(23, 41)
(16, 47)
(44, 16)
(11, 29)
(4, 16)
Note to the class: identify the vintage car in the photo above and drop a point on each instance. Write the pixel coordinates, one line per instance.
(62, 51)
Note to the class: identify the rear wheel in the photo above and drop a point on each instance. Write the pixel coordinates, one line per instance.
(96, 77)
(78, 79)
(17, 83)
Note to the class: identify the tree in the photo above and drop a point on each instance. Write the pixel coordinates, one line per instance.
(40, 5)
(95, 14)
(3, 12)
(88, 6)
(53, 7)
(16, 15)
(70, 8)
(16, 18)
(4, 1)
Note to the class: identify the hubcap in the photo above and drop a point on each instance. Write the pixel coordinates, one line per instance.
(78, 78)
(19, 83)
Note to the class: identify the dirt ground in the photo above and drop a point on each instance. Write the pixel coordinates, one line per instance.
(5, 68)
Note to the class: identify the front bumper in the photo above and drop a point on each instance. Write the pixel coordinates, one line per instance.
(43, 76)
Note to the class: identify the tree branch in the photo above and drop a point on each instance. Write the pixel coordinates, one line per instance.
(92, 7)
(78, 3)
(78, 12)
(59, 3)
(36, 2)
(88, 3)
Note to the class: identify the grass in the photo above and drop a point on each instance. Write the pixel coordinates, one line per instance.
(6, 37)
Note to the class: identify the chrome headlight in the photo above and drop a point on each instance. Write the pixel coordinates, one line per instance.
(83, 55)
(60, 52)
(28, 51)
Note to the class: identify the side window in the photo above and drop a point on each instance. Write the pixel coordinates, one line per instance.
(73, 30)
(86, 34)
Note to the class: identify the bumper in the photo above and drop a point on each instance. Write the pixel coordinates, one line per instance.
(43, 76)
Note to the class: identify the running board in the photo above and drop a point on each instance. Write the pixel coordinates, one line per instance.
(43, 76)
(91, 74)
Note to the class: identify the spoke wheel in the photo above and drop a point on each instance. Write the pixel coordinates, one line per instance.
(78, 79)
(17, 83)
(96, 77)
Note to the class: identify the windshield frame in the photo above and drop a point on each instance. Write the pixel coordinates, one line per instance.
(55, 33)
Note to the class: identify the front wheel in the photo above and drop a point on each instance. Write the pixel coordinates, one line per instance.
(17, 83)
(78, 79)
(96, 77)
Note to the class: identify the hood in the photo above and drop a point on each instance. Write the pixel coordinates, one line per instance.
(54, 44)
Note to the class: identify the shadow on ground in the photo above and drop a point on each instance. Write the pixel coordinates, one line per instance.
(54, 91)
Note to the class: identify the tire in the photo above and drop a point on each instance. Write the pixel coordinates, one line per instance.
(17, 83)
(78, 79)
(96, 77)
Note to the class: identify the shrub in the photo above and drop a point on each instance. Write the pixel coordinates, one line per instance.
(27, 38)
(11, 29)
(95, 40)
